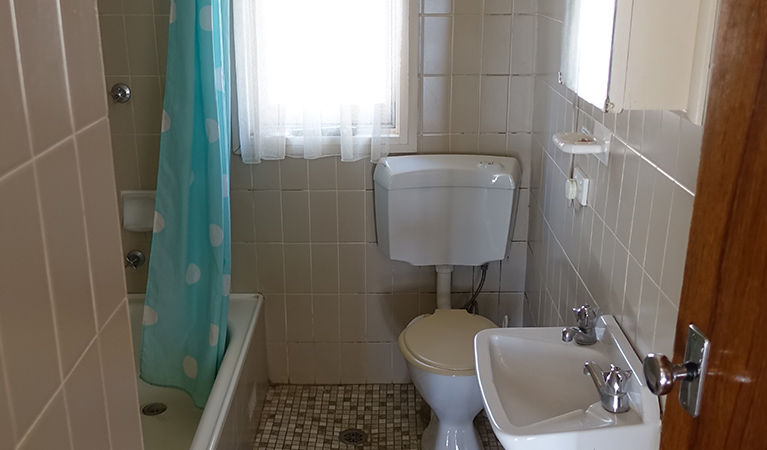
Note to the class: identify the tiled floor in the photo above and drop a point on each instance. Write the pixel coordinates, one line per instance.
(311, 417)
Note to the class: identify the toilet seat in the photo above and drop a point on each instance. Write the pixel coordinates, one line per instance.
(443, 342)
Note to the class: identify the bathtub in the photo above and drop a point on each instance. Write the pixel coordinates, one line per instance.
(231, 415)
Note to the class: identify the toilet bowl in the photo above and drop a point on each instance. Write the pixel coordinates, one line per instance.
(438, 350)
(443, 211)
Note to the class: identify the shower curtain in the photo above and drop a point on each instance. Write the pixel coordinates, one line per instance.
(185, 314)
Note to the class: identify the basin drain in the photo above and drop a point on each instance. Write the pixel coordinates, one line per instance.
(153, 409)
(352, 436)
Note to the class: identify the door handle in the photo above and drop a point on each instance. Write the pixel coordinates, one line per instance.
(660, 374)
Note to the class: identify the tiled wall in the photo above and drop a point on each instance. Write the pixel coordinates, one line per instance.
(66, 370)
(134, 35)
(303, 231)
(626, 250)
(335, 303)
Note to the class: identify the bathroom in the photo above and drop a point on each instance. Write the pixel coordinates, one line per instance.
(303, 231)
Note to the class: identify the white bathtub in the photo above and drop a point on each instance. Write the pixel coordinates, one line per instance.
(231, 415)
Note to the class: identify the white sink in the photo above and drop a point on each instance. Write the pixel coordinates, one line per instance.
(537, 396)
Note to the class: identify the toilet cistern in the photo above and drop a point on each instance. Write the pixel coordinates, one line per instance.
(585, 333)
(445, 211)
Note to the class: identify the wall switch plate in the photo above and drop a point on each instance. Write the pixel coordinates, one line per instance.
(582, 194)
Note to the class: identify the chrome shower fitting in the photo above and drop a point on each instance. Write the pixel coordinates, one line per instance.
(120, 93)
(134, 259)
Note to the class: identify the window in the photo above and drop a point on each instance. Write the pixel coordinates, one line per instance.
(318, 78)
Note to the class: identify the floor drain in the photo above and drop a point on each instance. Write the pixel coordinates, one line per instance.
(352, 436)
(153, 409)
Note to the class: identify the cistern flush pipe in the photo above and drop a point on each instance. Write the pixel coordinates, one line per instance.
(444, 285)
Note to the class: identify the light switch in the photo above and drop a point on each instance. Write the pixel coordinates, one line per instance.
(582, 183)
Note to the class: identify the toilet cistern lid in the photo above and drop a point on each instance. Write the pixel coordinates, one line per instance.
(445, 339)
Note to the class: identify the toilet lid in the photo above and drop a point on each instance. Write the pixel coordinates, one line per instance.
(445, 339)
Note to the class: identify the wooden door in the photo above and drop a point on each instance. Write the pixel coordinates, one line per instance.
(725, 281)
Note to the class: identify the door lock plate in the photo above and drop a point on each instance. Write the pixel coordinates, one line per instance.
(696, 351)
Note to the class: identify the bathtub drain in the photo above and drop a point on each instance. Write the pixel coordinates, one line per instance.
(153, 409)
(352, 436)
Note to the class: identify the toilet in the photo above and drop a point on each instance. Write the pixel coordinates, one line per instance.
(445, 210)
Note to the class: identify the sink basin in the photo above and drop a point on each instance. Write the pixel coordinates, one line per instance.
(537, 397)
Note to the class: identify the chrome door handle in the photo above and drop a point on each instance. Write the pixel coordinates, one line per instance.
(660, 374)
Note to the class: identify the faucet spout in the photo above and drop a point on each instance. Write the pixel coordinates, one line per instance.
(580, 335)
(593, 369)
(569, 333)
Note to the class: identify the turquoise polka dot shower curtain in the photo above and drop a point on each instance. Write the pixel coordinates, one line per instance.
(184, 330)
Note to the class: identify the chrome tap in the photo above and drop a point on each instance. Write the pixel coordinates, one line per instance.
(585, 333)
(611, 386)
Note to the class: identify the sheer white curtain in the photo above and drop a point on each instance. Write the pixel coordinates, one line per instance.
(317, 78)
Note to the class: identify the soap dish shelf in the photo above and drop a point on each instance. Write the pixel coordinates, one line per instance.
(578, 143)
(583, 143)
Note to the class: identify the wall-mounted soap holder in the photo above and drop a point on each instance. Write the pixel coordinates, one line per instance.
(583, 143)
(138, 210)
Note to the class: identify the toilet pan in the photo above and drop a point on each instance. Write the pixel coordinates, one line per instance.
(438, 349)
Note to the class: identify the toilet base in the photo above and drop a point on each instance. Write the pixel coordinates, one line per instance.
(445, 436)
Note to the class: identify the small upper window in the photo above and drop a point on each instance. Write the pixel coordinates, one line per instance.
(318, 78)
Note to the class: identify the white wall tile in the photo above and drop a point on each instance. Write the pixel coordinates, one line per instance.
(352, 316)
(322, 174)
(324, 269)
(467, 6)
(669, 141)
(327, 363)
(379, 318)
(277, 361)
(295, 216)
(523, 28)
(323, 211)
(326, 317)
(659, 219)
(298, 274)
(437, 6)
(648, 310)
(467, 39)
(274, 305)
(498, 6)
(379, 362)
(676, 248)
(493, 104)
(520, 104)
(437, 49)
(495, 43)
(351, 216)
(353, 363)
(301, 363)
(298, 310)
(640, 223)
(436, 104)
(465, 104)
(268, 220)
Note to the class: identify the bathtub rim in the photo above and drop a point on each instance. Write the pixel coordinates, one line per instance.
(244, 310)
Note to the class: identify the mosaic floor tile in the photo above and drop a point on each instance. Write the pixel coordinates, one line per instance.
(311, 417)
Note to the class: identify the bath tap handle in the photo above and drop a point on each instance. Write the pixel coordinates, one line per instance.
(586, 316)
(611, 385)
(134, 259)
